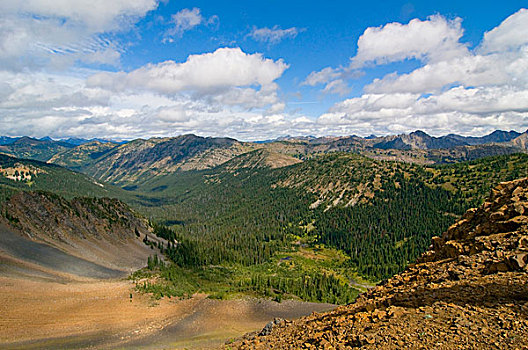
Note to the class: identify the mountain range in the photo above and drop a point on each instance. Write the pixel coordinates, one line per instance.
(315, 219)
(141, 160)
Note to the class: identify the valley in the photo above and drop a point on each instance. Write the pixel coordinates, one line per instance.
(246, 175)
(143, 244)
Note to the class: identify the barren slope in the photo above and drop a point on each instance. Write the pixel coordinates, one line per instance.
(48, 230)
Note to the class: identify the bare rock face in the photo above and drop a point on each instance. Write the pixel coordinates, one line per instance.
(469, 291)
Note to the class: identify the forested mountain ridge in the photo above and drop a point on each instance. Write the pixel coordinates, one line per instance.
(27, 147)
(24, 174)
(344, 179)
(141, 160)
(260, 158)
(420, 140)
(469, 290)
(82, 156)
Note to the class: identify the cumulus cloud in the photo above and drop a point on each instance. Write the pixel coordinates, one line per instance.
(226, 92)
(38, 33)
(274, 35)
(223, 68)
(435, 39)
(509, 35)
(500, 60)
(185, 20)
(323, 76)
(454, 90)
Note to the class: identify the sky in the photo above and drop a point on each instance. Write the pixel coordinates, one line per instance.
(256, 70)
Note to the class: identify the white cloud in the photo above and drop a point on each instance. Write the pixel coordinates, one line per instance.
(500, 60)
(469, 71)
(95, 15)
(462, 110)
(333, 80)
(435, 39)
(323, 76)
(275, 34)
(511, 34)
(185, 20)
(209, 72)
(231, 93)
(337, 86)
(226, 92)
(38, 32)
(474, 92)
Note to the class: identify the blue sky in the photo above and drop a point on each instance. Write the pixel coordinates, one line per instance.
(258, 70)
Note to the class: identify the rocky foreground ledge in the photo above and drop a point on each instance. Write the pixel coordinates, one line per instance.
(470, 291)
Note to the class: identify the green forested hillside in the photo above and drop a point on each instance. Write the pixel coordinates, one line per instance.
(306, 230)
(23, 174)
(30, 148)
(381, 214)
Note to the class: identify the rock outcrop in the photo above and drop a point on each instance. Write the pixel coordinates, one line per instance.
(470, 291)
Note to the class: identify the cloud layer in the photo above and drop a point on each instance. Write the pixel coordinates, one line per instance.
(36, 33)
(229, 92)
(223, 92)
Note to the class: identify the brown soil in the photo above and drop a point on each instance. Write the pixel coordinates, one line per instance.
(470, 291)
(101, 314)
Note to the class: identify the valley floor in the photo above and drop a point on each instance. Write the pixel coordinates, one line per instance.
(38, 313)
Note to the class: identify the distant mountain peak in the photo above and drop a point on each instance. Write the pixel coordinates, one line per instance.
(420, 133)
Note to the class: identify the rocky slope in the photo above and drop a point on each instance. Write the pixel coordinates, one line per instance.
(102, 231)
(521, 141)
(469, 291)
(260, 158)
(83, 155)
